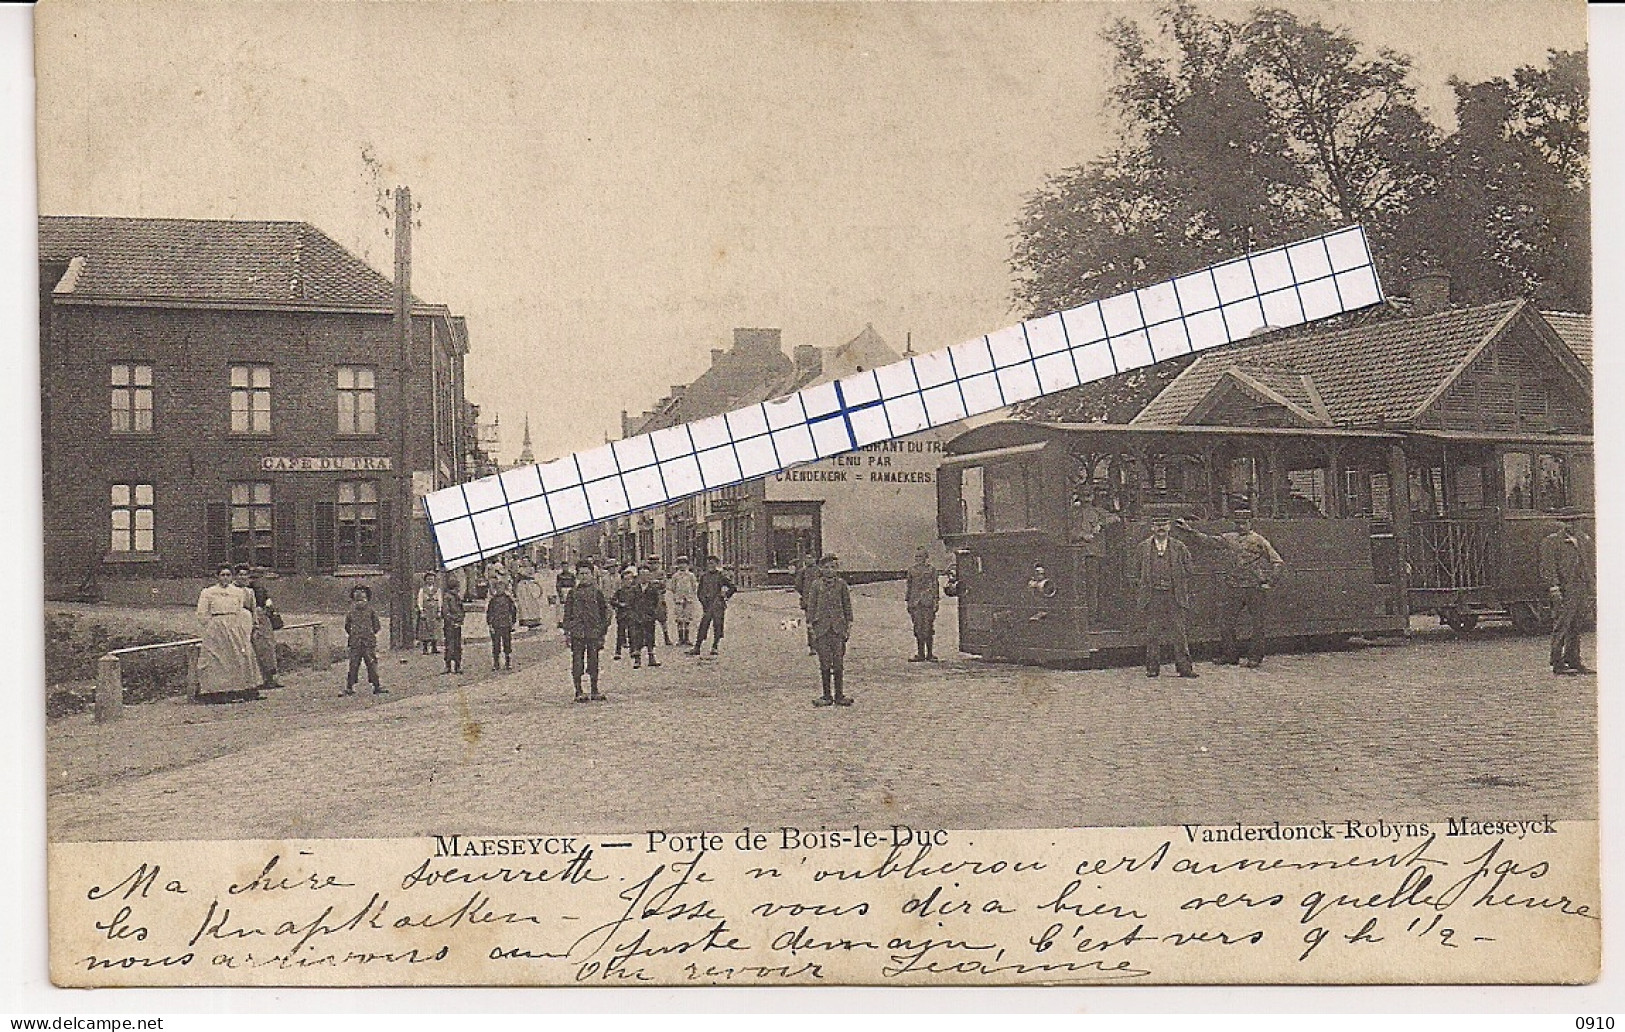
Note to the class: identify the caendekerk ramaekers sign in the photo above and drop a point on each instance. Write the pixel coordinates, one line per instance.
(327, 464)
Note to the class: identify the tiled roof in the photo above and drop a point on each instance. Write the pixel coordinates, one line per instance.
(1366, 374)
(1283, 385)
(210, 261)
(1575, 329)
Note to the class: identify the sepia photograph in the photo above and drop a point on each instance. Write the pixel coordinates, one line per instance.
(1236, 509)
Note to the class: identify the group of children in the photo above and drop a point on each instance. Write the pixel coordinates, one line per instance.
(638, 605)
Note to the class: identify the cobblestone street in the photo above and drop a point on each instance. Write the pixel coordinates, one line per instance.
(1442, 725)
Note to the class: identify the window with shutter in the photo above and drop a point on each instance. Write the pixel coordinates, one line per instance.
(325, 537)
(286, 535)
(217, 535)
(386, 535)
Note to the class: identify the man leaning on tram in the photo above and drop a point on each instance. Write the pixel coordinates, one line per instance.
(1252, 567)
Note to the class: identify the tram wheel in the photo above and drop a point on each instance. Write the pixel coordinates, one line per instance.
(1528, 618)
(1458, 621)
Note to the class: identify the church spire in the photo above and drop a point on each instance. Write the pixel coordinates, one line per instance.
(526, 456)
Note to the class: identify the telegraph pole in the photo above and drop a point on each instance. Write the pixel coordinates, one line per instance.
(401, 633)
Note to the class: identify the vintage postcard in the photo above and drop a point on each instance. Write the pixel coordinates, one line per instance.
(510, 518)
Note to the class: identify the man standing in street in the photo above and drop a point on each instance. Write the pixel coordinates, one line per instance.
(922, 598)
(1251, 566)
(586, 622)
(806, 573)
(1164, 597)
(1566, 570)
(715, 589)
(624, 601)
(646, 612)
(501, 612)
(829, 614)
(451, 625)
(685, 602)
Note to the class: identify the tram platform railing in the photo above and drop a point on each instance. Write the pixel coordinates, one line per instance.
(1453, 554)
(110, 667)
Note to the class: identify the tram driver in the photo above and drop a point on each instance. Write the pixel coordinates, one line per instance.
(1252, 566)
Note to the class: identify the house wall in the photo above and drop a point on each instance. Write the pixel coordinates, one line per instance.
(191, 457)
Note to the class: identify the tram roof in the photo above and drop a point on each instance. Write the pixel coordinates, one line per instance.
(1011, 433)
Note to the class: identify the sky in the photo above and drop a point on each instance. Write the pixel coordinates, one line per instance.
(606, 190)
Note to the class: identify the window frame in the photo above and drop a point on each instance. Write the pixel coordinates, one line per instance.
(259, 547)
(132, 390)
(351, 545)
(356, 393)
(251, 391)
(133, 506)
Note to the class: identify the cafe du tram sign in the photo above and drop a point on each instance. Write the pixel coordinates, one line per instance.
(327, 464)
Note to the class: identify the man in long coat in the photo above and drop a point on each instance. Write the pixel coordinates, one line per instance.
(1566, 570)
(922, 598)
(829, 614)
(1165, 596)
(586, 622)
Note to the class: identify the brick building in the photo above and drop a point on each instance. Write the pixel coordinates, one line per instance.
(873, 506)
(217, 391)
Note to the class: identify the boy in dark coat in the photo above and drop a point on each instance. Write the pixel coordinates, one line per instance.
(624, 602)
(451, 624)
(829, 614)
(714, 591)
(501, 613)
(361, 627)
(586, 622)
(646, 613)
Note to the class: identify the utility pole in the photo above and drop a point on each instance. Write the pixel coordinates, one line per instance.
(401, 633)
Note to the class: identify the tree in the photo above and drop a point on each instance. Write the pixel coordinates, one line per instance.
(1510, 212)
(1231, 136)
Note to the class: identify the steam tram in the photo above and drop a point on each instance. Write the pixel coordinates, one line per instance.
(1374, 526)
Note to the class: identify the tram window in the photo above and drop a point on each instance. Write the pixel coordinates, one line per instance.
(1580, 478)
(1427, 491)
(1381, 499)
(1469, 487)
(1552, 482)
(1520, 481)
(1307, 489)
(972, 501)
(1011, 504)
(1243, 481)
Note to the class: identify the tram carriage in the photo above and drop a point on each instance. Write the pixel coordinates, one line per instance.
(1373, 526)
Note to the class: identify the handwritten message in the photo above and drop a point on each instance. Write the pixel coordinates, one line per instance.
(1470, 900)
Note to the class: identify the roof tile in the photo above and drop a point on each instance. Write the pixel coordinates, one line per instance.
(1366, 374)
(211, 261)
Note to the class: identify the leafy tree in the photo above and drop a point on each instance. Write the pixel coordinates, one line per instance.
(1237, 135)
(1510, 213)
(1232, 136)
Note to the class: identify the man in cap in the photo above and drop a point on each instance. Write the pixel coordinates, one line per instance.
(1566, 570)
(624, 601)
(685, 602)
(806, 573)
(921, 599)
(829, 614)
(1251, 566)
(715, 589)
(586, 622)
(1164, 596)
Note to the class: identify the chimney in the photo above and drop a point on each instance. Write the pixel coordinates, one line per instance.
(809, 360)
(716, 355)
(757, 340)
(1430, 291)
